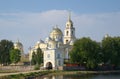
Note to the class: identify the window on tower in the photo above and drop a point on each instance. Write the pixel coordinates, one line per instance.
(66, 41)
(67, 24)
(67, 33)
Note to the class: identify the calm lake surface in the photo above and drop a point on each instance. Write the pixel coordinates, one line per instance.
(108, 76)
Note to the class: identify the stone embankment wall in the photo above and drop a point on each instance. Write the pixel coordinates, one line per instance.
(16, 68)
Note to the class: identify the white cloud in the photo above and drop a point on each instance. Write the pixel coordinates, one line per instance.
(30, 27)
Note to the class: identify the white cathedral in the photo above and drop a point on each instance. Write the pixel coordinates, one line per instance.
(56, 46)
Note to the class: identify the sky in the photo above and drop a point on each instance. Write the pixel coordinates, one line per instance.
(32, 20)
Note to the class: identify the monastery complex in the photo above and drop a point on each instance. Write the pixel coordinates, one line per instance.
(56, 47)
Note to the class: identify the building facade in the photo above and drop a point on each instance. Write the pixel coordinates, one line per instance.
(56, 46)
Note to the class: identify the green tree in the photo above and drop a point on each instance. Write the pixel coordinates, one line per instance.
(111, 50)
(87, 52)
(15, 56)
(37, 57)
(5, 47)
(33, 61)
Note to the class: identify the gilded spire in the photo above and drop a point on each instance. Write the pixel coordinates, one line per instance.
(69, 16)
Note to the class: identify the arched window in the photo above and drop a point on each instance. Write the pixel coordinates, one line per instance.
(58, 56)
(67, 24)
(66, 41)
(67, 33)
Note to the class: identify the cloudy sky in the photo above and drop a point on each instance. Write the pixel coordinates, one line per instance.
(32, 20)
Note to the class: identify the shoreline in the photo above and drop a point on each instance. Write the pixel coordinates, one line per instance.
(38, 73)
(85, 72)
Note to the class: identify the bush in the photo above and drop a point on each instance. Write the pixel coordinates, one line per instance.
(37, 67)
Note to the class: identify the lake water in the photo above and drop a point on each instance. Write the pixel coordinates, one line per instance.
(78, 76)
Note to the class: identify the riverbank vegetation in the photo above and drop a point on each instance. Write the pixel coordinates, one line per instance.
(93, 55)
(29, 75)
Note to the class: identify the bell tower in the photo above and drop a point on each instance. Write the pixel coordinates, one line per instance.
(69, 32)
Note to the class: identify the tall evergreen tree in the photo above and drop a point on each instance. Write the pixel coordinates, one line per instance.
(37, 57)
(33, 61)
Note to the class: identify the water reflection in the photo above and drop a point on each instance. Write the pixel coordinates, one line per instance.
(66, 77)
(78, 76)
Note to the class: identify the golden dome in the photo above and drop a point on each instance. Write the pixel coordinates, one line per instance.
(18, 44)
(56, 33)
(56, 30)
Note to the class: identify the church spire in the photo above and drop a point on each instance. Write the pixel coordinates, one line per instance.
(69, 23)
(69, 16)
(69, 33)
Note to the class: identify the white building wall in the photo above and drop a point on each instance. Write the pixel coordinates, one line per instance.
(53, 56)
(49, 56)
